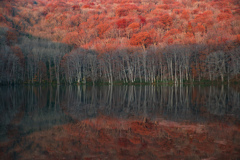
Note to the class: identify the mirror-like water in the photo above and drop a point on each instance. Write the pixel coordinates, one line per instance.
(26, 110)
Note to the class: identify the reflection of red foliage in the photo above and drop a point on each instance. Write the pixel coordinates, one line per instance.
(105, 137)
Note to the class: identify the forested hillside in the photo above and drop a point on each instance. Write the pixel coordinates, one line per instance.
(119, 40)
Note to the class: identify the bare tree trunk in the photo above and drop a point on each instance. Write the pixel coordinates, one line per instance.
(50, 71)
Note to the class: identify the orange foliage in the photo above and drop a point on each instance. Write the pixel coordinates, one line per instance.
(134, 26)
(101, 29)
(71, 38)
(172, 32)
(75, 7)
(164, 6)
(86, 6)
(142, 20)
(166, 20)
(185, 15)
(122, 19)
(123, 23)
(168, 1)
(141, 39)
(199, 28)
(122, 12)
(238, 38)
(224, 16)
(195, 11)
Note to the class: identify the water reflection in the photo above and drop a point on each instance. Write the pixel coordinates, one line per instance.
(28, 108)
(106, 122)
(173, 103)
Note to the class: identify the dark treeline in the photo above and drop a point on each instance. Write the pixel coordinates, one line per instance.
(32, 60)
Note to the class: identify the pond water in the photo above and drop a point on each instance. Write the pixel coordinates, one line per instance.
(119, 122)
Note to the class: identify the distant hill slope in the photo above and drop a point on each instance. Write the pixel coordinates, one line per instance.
(90, 24)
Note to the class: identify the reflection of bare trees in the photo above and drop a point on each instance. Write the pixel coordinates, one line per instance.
(11, 100)
(175, 102)
(27, 108)
(32, 108)
(222, 100)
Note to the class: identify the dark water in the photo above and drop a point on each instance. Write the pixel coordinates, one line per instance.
(33, 111)
(33, 108)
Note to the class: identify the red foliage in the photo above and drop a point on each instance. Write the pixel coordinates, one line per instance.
(142, 20)
(204, 18)
(141, 39)
(195, 11)
(86, 6)
(166, 20)
(238, 38)
(123, 23)
(185, 14)
(101, 29)
(199, 28)
(134, 26)
(76, 19)
(49, 16)
(122, 12)
(220, 4)
(172, 32)
(135, 15)
(163, 6)
(224, 16)
(177, 11)
(189, 38)
(75, 7)
(170, 41)
(168, 1)
(71, 38)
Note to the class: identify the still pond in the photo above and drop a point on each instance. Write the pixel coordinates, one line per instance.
(120, 122)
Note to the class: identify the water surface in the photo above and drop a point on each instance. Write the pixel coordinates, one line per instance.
(31, 115)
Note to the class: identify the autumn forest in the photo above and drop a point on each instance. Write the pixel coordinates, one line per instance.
(124, 41)
(119, 79)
